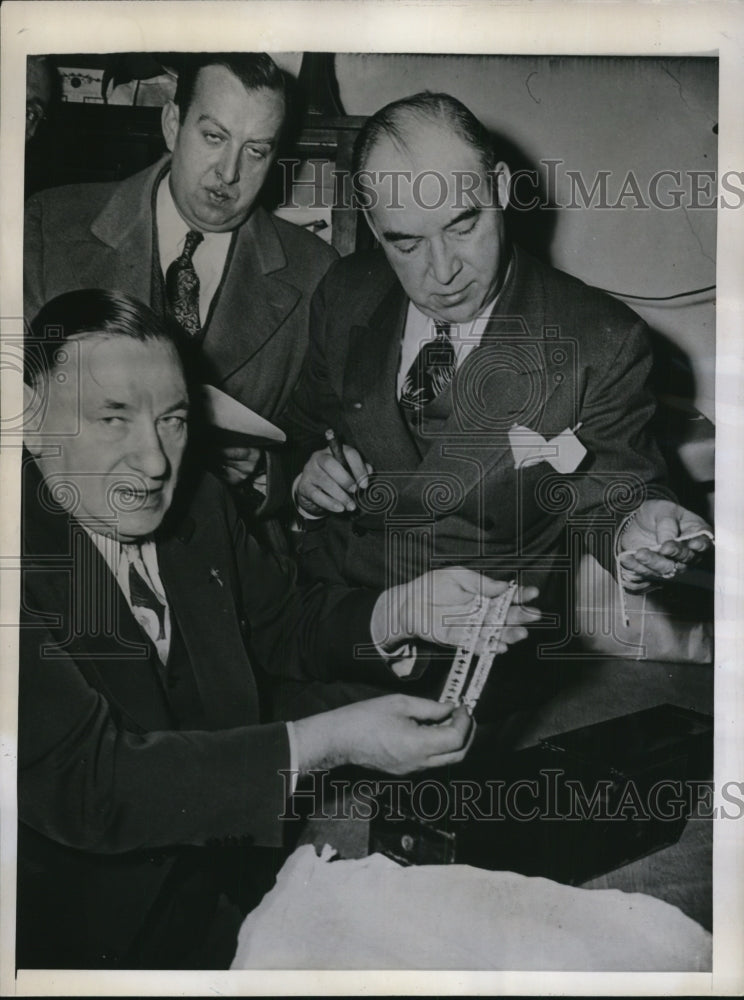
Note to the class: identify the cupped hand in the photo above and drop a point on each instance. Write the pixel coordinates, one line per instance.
(325, 486)
(654, 546)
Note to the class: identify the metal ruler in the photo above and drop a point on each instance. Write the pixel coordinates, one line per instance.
(469, 671)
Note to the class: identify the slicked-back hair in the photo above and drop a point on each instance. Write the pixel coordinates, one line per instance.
(88, 310)
(395, 120)
(255, 70)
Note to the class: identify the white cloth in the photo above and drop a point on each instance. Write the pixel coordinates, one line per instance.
(209, 257)
(373, 914)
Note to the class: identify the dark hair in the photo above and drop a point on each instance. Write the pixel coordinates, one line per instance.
(89, 310)
(255, 70)
(393, 121)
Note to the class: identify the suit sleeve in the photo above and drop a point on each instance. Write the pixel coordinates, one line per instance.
(301, 631)
(88, 783)
(625, 466)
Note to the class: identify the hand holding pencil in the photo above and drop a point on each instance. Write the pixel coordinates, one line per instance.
(331, 477)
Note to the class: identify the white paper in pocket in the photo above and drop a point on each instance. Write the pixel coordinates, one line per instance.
(564, 452)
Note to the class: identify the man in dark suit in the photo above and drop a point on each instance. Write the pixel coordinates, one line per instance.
(187, 236)
(148, 782)
(497, 401)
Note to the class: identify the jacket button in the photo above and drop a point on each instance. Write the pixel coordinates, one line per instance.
(357, 405)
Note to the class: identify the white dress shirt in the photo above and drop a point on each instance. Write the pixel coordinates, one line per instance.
(420, 329)
(209, 257)
(144, 556)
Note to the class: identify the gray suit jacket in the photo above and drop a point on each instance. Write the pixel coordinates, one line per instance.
(101, 236)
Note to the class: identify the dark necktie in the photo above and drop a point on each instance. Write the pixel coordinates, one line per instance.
(143, 600)
(432, 370)
(182, 286)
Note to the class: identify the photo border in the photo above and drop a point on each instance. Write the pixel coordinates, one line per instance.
(698, 27)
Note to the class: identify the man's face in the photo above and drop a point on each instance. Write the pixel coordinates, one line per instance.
(38, 94)
(222, 150)
(115, 413)
(443, 235)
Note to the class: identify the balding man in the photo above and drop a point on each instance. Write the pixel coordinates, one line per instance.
(489, 400)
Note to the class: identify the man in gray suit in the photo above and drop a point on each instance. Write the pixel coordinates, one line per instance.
(187, 236)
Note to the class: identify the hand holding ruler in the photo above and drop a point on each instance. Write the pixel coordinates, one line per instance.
(469, 671)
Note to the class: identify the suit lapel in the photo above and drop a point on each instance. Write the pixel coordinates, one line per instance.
(507, 379)
(251, 288)
(197, 575)
(69, 588)
(79, 600)
(378, 426)
(253, 292)
(125, 225)
(131, 682)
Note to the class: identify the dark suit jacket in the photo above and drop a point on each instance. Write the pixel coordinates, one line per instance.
(112, 793)
(556, 353)
(101, 236)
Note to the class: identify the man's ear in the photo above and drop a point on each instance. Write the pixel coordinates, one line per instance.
(502, 175)
(33, 415)
(170, 123)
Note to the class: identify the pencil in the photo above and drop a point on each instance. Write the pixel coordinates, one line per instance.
(338, 453)
(336, 450)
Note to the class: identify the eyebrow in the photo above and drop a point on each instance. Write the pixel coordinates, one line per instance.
(215, 121)
(182, 404)
(116, 404)
(468, 213)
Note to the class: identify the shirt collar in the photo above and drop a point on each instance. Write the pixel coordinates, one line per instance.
(143, 549)
(109, 546)
(173, 228)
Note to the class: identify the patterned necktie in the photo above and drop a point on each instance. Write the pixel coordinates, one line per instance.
(147, 608)
(432, 370)
(182, 286)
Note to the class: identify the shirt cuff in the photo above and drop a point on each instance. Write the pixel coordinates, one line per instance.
(401, 660)
(292, 756)
(618, 546)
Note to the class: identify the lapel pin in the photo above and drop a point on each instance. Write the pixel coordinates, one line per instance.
(215, 574)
